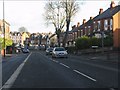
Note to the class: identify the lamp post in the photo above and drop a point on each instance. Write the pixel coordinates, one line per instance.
(102, 33)
(4, 26)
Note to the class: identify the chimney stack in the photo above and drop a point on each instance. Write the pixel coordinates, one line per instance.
(84, 21)
(78, 24)
(100, 11)
(74, 26)
(112, 5)
(91, 18)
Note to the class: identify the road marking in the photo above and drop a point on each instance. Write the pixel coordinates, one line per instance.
(55, 61)
(12, 79)
(85, 75)
(65, 65)
(49, 58)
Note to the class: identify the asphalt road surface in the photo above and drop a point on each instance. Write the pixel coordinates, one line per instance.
(36, 70)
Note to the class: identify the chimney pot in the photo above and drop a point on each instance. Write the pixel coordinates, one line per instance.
(78, 24)
(73, 26)
(112, 5)
(91, 18)
(84, 21)
(101, 11)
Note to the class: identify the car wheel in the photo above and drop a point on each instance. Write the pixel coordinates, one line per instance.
(52, 56)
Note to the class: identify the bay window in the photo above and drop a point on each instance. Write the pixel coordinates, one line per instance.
(106, 25)
(99, 25)
(111, 24)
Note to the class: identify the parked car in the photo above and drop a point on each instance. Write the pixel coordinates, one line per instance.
(59, 52)
(49, 51)
(25, 50)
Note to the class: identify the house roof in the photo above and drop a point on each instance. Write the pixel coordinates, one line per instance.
(108, 13)
(74, 29)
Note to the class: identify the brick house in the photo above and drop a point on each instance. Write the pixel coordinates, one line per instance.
(16, 37)
(7, 29)
(105, 23)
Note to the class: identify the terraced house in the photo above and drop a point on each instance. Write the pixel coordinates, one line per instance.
(105, 23)
(16, 37)
(7, 29)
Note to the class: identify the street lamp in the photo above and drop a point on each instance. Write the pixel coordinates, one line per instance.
(102, 34)
(4, 26)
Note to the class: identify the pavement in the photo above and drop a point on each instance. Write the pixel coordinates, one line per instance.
(7, 57)
(106, 56)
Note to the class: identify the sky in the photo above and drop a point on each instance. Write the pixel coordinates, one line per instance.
(29, 13)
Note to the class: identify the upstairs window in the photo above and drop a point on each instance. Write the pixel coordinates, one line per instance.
(95, 26)
(111, 24)
(106, 25)
(81, 32)
(89, 29)
(99, 25)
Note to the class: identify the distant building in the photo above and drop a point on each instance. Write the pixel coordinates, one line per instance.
(7, 29)
(16, 37)
(40, 39)
(25, 36)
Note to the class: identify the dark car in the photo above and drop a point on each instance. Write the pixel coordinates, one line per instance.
(49, 51)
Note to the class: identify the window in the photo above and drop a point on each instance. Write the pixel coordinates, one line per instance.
(111, 24)
(99, 25)
(89, 29)
(106, 25)
(81, 32)
(94, 26)
(75, 35)
(85, 30)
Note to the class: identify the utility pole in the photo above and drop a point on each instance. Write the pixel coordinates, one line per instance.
(4, 25)
(102, 41)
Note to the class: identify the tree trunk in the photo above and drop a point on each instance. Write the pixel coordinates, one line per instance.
(66, 33)
(58, 32)
(58, 38)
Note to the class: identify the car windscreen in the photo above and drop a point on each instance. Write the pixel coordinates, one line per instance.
(50, 49)
(59, 49)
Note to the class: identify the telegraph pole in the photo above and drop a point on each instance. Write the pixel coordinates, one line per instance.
(4, 25)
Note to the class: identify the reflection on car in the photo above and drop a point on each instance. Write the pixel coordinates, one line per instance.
(49, 51)
(59, 52)
(25, 50)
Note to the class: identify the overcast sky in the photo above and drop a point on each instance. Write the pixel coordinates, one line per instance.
(29, 13)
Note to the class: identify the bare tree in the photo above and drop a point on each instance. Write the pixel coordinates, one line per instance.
(54, 15)
(22, 29)
(71, 7)
(60, 14)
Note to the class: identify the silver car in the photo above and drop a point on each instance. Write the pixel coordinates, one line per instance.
(59, 52)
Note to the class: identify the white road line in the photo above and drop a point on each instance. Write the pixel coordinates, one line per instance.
(12, 79)
(55, 61)
(49, 58)
(85, 75)
(65, 65)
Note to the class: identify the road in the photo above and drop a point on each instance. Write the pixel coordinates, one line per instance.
(36, 70)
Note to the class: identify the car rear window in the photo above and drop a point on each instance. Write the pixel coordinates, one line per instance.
(59, 49)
